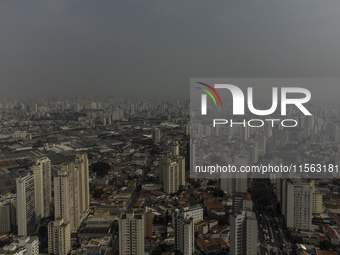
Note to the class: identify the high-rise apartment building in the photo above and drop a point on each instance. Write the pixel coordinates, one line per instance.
(8, 212)
(317, 202)
(297, 202)
(132, 233)
(184, 234)
(81, 162)
(242, 201)
(26, 215)
(175, 149)
(234, 182)
(59, 233)
(66, 195)
(172, 173)
(5, 216)
(148, 224)
(186, 129)
(194, 212)
(156, 135)
(43, 193)
(243, 233)
(71, 191)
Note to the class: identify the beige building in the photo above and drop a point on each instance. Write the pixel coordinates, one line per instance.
(317, 202)
(82, 164)
(132, 233)
(156, 135)
(43, 193)
(66, 195)
(172, 173)
(59, 241)
(72, 191)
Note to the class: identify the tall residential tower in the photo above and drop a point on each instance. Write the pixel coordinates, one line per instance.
(43, 193)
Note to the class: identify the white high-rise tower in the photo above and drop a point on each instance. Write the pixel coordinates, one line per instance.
(26, 215)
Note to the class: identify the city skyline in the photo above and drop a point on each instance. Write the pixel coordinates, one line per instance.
(168, 127)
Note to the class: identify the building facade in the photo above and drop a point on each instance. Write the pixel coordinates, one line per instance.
(243, 233)
(26, 215)
(156, 135)
(5, 217)
(66, 195)
(184, 234)
(172, 173)
(132, 233)
(298, 202)
(59, 237)
(81, 162)
(43, 183)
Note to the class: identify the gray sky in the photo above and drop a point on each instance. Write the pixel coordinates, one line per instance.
(152, 47)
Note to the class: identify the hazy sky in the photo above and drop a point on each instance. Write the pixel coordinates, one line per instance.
(152, 47)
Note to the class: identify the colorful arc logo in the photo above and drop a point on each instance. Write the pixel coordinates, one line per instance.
(209, 93)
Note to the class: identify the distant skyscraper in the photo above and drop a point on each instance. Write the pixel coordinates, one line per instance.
(5, 217)
(317, 202)
(175, 149)
(132, 233)
(8, 201)
(82, 164)
(278, 187)
(262, 145)
(59, 237)
(26, 215)
(192, 155)
(242, 201)
(148, 224)
(297, 202)
(187, 129)
(234, 182)
(243, 233)
(66, 195)
(43, 194)
(184, 234)
(156, 135)
(172, 173)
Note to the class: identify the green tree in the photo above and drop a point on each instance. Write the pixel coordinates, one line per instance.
(223, 221)
(211, 182)
(218, 193)
(326, 245)
(98, 193)
(158, 251)
(100, 168)
(114, 226)
(262, 193)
